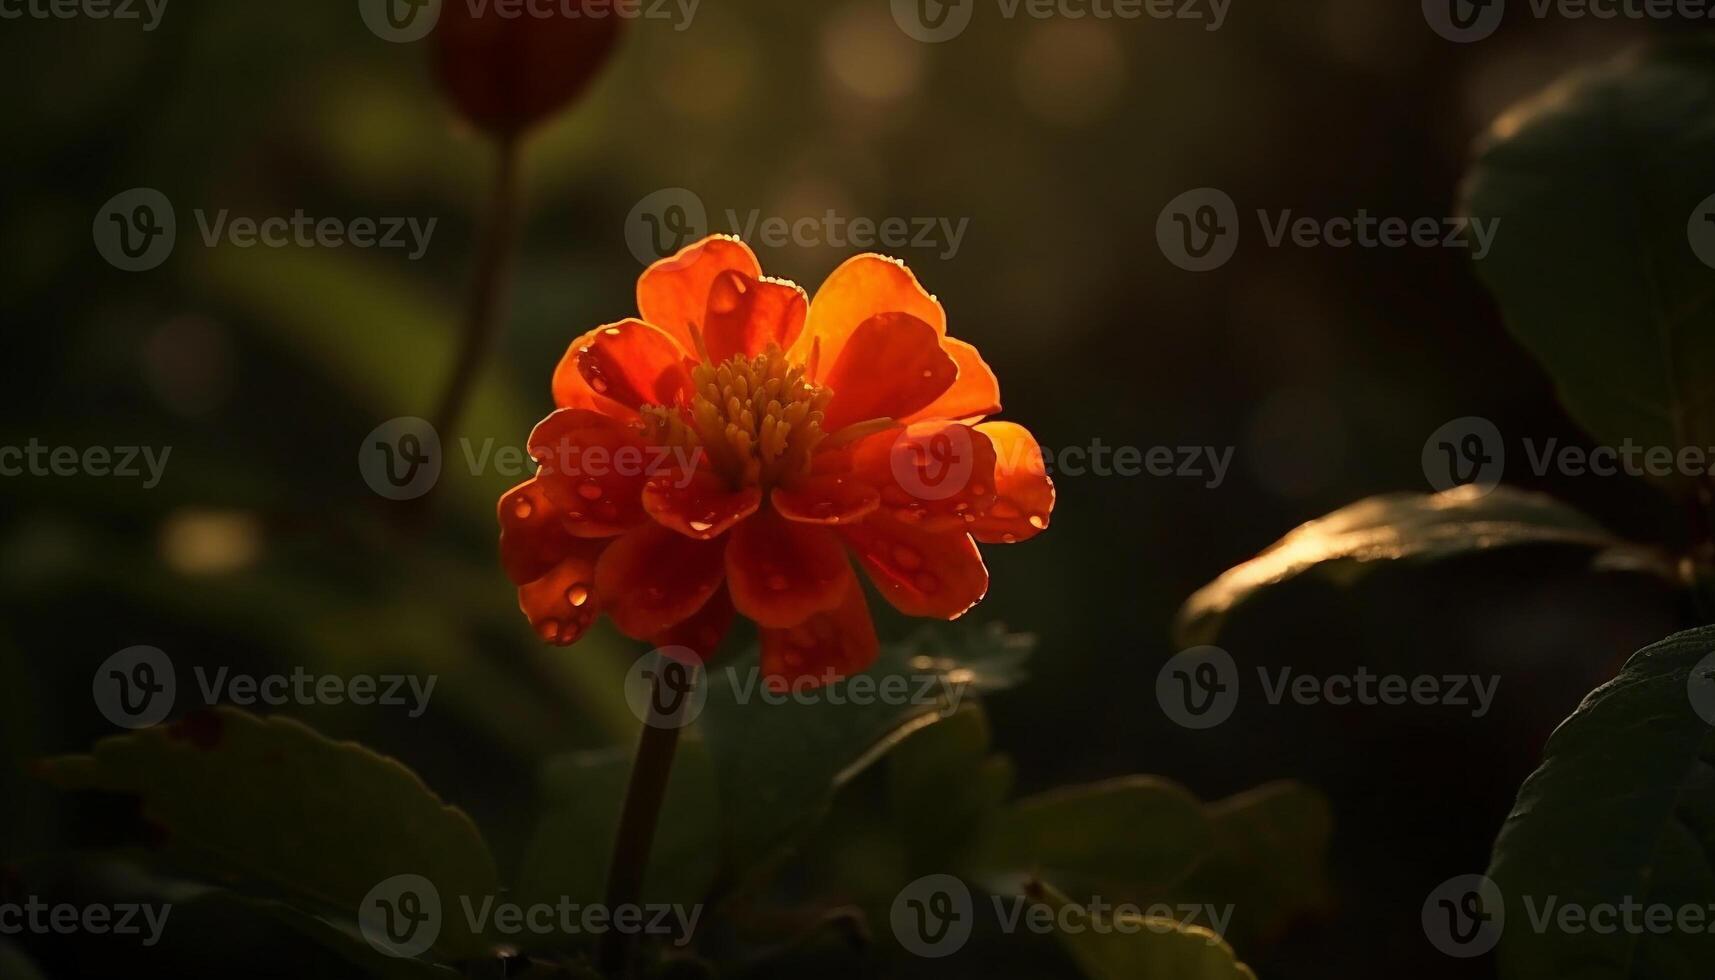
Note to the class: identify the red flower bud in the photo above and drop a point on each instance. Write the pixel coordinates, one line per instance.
(507, 68)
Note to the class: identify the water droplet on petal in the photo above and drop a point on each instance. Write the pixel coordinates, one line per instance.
(589, 490)
(1038, 521)
(907, 557)
(549, 629)
(927, 582)
(700, 526)
(578, 594)
(523, 508)
(777, 582)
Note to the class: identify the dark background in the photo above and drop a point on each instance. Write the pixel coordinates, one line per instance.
(1060, 140)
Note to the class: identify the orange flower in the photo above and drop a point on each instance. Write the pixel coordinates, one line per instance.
(731, 448)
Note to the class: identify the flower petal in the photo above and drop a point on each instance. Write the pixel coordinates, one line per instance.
(1024, 495)
(975, 392)
(652, 579)
(781, 572)
(699, 505)
(861, 288)
(572, 391)
(828, 645)
(532, 539)
(635, 364)
(747, 314)
(591, 469)
(922, 573)
(892, 366)
(704, 630)
(826, 498)
(562, 603)
(938, 476)
(673, 293)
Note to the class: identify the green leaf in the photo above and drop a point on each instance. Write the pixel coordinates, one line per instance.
(1595, 183)
(1127, 836)
(778, 764)
(215, 925)
(274, 801)
(1407, 526)
(942, 783)
(569, 852)
(1133, 947)
(1268, 862)
(1622, 809)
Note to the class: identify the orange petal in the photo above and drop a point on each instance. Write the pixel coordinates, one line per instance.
(652, 579)
(922, 573)
(938, 476)
(635, 364)
(826, 499)
(704, 630)
(562, 603)
(673, 293)
(975, 392)
(828, 645)
(861, 288)
(746, 314)
(1024, 495)
(781, 572)
(892, 366)
(572, 391)
(592, 469)
(532, 539)
(698, 505)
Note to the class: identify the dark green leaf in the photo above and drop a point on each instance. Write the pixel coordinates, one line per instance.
(1130, 947)
(1621, 810)
(273, 801)
(1595, 184)
(1268, 862)
(1400, 526)
(943, 782)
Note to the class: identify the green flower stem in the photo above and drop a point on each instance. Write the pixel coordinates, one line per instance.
(637, 820)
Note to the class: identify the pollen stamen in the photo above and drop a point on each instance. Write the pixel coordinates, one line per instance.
(759, 418)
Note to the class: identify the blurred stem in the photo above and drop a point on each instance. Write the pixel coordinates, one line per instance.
(637, 819)
(487, 293)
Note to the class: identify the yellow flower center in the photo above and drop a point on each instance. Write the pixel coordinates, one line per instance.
(757, 418)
